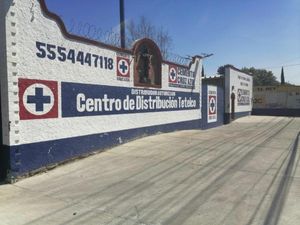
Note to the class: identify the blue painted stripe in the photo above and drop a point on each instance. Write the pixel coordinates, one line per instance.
(108, 100)
(277, 112)
(241, 114)
(227, 116)
(4, 162)
(30, 157)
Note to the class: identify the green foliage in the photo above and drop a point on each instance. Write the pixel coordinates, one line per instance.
(282, 76)
(221, 69)
(261, 77)
(202, 72)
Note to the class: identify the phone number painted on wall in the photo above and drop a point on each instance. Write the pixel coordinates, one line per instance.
(62, 54)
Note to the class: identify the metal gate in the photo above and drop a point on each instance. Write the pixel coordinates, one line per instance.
(212, 102)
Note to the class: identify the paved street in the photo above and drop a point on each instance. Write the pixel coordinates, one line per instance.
(244, 173)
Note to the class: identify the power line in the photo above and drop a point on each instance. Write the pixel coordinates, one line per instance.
(292, 60)
(289, 65)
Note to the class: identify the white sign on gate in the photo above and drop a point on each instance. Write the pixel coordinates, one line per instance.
(212, 101)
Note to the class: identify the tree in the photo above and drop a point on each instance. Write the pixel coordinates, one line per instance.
(282, 76)
(261, 77)
(221, 69)
(144, 29)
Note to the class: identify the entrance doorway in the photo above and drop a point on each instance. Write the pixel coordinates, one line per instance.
(232, 105)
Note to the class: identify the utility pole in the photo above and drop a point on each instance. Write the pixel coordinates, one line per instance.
(122, 24)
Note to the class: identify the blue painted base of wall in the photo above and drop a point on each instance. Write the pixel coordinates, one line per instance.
(277, 112)
(4, 162)
(228, 116)
(24, 159)
(241, 114)
(206, 125)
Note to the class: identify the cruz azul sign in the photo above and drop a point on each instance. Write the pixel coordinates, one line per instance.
(39, 100)
(211, 104)
(181, 77)
(89, 100)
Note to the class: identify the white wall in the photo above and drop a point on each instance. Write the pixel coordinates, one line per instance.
(32, 26)
(284, 97)
(242, 84)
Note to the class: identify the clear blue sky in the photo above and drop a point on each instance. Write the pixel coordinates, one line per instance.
(259, 33)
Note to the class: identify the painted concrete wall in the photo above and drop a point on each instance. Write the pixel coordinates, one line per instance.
(67, 97)
(241, 84)
(276, 97)
(276, 100)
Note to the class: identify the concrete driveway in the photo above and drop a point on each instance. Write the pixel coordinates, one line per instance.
(244, 173)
